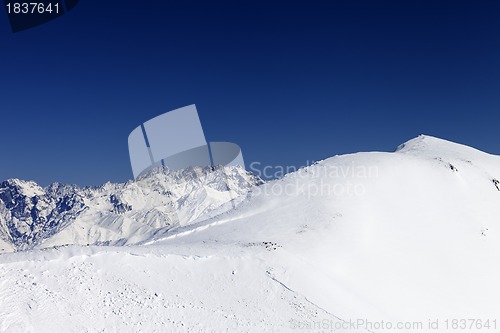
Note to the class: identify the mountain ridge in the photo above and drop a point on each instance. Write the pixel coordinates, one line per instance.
(30, 216)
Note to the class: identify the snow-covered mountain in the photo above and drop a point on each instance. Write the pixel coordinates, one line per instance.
(31, 216)
(354, 243)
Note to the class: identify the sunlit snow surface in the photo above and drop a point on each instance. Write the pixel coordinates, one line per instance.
(416, 238)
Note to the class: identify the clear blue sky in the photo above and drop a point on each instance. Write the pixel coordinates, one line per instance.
(288, 81)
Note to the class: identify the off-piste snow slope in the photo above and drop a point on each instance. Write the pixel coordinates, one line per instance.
(378, 239)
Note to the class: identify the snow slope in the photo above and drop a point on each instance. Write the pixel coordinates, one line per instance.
(395, 237)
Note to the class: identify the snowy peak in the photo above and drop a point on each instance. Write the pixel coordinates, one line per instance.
(425, 146)
(457, 157)
(21, 187)
(28, 214)
(380, 229)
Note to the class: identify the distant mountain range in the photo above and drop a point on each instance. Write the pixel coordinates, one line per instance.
(114, 214)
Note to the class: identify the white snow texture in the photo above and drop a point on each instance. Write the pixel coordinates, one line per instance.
(403, 237)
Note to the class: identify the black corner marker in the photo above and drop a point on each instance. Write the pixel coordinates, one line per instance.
(24, 14)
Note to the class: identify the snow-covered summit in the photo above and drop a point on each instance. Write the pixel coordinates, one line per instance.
(413, 234)
(425, 146)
